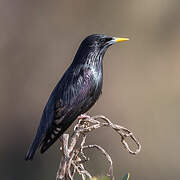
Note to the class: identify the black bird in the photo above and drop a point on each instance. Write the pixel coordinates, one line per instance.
(75, 93)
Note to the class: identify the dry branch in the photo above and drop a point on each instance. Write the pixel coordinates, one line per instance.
(74, 157)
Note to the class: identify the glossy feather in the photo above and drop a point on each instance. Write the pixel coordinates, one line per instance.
(75, 94)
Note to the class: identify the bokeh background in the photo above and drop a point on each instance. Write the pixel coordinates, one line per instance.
(38, 40)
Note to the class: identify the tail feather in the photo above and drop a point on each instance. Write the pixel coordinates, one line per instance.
(34, 146)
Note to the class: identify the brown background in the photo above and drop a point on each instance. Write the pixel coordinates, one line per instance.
(38, 40)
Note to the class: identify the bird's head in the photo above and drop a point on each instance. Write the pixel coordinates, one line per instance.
(95, 46)
(100, 41)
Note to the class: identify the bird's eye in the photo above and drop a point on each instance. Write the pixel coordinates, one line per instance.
(105, 40)
(108, 39)
(102, 41)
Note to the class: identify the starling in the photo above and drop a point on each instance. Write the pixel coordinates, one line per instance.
(76, 92)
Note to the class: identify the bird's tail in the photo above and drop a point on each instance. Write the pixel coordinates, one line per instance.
(34, 146)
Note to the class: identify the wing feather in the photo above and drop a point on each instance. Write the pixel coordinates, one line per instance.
(77, 94)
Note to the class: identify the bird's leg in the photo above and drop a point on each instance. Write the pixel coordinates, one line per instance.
(82, 119)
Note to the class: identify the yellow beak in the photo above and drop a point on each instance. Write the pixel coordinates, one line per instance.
(121, 39)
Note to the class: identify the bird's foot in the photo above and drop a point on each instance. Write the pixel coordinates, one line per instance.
(83, 116)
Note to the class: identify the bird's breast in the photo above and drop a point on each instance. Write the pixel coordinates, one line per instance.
(97, 78)
(95, 75)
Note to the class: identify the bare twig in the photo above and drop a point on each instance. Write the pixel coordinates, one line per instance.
(74, 157)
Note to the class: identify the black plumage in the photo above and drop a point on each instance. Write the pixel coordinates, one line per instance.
(76, 92)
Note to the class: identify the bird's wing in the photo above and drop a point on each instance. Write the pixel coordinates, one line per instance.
(76, 94)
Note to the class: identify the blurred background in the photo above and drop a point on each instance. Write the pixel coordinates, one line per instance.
(141, 91)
